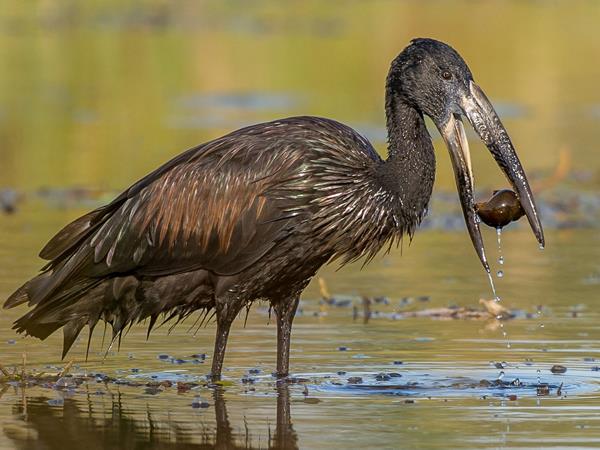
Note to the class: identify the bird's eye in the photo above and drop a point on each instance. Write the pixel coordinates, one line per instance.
(446, 75)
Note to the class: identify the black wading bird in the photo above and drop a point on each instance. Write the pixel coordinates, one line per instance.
(254, 214)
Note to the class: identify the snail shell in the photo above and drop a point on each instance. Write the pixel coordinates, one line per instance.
(504, 207)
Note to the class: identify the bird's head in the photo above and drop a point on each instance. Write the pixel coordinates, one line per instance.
(433, 78)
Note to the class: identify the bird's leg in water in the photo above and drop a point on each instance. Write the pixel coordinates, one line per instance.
(224, 438)
(285, 311)
(285, 436)
(226, 313)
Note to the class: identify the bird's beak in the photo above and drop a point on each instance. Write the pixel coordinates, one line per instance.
(484, 119)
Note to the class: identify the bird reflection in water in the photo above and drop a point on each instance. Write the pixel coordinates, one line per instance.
(78, 423)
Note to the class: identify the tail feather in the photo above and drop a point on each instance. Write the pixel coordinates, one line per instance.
(118, 301)
(70, 332)
(33, 289)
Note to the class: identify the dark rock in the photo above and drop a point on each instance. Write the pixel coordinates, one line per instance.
(199, 403)
(382, 377)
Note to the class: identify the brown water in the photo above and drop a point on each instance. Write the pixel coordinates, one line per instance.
(98, 95)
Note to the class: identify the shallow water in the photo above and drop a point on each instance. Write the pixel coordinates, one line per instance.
(425, 382)
(93, 97)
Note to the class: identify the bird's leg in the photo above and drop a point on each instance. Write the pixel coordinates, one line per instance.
(226, 312)
(224, 437)
(285, 436)
(285, 311)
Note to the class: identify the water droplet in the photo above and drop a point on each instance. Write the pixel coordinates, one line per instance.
(501, 375)
(493, 287)
(508, 345)
(539, 376)
(541, 246)
(501, 260)
(541, 325)
(500, 274)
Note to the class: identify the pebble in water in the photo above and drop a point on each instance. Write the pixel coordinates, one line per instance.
(382, 377)
(557, 368)
(199, 403)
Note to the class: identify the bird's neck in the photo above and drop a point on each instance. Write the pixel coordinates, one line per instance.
(409, 171)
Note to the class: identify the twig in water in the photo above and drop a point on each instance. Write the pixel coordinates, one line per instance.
(66, 369)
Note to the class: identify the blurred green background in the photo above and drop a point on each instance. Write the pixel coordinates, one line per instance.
(98, 93)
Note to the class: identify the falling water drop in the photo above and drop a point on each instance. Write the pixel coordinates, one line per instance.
(501, 375)
(539, 315)
(496, 298)
(539, 376)
(500, 273)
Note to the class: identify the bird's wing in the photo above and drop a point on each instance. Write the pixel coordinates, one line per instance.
(218, 207)
(202, 214)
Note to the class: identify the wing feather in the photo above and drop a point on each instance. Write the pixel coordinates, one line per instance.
(213, 209)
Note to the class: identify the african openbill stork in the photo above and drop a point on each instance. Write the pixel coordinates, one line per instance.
(254, 214)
